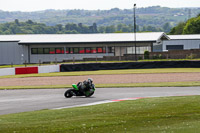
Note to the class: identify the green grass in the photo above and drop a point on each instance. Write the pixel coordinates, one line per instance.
(77, 62)
(160, 84)
(169, 60)
(108, 72)
(10, 66)
(157, 115)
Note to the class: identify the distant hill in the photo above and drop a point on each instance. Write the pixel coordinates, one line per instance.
(156, 17)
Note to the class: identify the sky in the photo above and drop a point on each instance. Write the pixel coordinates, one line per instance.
(38, 5)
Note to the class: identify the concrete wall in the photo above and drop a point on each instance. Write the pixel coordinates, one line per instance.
(177, 54)
(11, 52)
(7, 71)
(187, 44)
(49, 69)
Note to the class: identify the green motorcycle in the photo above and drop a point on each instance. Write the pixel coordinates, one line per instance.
(75, 91)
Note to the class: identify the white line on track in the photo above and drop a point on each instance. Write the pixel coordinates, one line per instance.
(88, 104)
(100, 102)
(110, 101)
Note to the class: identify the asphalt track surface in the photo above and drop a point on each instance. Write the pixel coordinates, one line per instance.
(15, 101)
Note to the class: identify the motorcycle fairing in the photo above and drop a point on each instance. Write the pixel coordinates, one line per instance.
(75, 87)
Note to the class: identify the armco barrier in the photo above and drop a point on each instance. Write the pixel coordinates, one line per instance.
(49, 69)
(129, 65)
(7, 71)
(26, 70)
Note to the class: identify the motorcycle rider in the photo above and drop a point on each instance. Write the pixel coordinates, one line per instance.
(85, 85)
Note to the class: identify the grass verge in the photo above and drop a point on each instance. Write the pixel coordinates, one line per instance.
(82, 62)
(167, 114)
(161, 84)
(109, 72)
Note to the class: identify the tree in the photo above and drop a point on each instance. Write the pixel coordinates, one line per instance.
(29, 22)
(16, 21)
(192, 26)
(178, 30)
(102, 29)
(95, 28)
(110, 29)
(119, 27)
(166, 27)
(59, 27)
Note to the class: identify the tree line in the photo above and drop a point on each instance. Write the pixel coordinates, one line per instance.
(154, 16)
(191, 26)
(30, 27)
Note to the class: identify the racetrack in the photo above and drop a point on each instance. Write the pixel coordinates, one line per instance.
(15, 101)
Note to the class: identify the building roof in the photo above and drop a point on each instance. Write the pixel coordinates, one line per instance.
(185, 37)
(85, 38)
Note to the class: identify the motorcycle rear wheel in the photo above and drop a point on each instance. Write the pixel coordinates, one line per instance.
(68, 93)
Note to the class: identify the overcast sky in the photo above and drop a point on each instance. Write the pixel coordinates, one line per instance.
(36, 5)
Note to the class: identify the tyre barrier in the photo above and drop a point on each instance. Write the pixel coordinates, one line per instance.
(129, 65)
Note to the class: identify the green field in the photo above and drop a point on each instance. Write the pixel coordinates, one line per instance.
(150, 115)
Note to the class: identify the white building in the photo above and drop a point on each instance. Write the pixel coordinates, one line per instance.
(178, 42)
(18, 49)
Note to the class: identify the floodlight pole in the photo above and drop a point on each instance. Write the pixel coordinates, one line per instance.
(135, 31)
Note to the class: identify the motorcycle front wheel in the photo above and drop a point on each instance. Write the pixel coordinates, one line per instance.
(68, 93)
(90, 94)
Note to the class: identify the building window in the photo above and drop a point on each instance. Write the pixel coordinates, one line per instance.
(46, 51)
(87, 50)
(67, 50)
(40, 51)
(174, 47)
(71, 51)
(52, 51)
(139, 50)
(111, 49)
(34, 51)
(104, 49)
(59, 50)
(76, 50)
(99, 50)
(93, 50)
(81, 50)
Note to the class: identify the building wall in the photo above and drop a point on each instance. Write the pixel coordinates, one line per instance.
(158, 46)
(12, 53)
(187, 44)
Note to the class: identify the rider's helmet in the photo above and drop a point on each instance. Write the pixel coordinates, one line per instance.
(90, 80)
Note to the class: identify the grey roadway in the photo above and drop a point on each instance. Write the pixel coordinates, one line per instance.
(15, 101)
